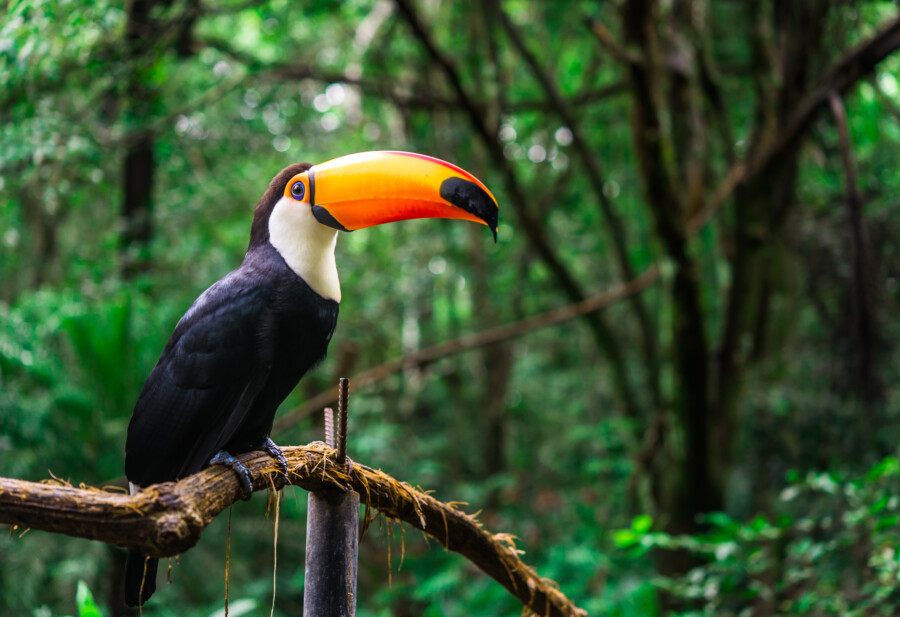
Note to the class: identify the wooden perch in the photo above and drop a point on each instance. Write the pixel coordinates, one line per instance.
(167, 519)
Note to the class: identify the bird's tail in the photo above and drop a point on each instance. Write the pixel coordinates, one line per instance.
(140, 578)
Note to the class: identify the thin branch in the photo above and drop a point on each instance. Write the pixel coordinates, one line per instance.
(579, 144)
(866, 331)
(473, 108)
(720, 195)
(595, 175)
(384, 88)
(167, 519)
(747, 291)
(846, 148)
(604, 335)
(469, 342)
(610, 44)
(651, 141)
(665, 199)
(713, 91)
(853, 66)
(587, 97)
(846, 73)
(294, 70)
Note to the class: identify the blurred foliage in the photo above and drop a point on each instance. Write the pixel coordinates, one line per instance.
(87, 606)
(829, 547)
(263, 84)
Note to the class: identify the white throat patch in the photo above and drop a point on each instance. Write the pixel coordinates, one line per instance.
(306, 245)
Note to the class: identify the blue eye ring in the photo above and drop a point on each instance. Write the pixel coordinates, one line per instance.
(298, 191)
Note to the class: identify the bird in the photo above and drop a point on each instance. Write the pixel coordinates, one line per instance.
(245, 342)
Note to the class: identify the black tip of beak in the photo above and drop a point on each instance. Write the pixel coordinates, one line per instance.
(472, 198)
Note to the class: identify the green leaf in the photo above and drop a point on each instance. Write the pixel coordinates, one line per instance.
(623, 538)
(84, 599)
(887, 521)
(642, 523)
(879, 505)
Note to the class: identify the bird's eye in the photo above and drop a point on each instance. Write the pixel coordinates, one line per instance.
(298, 190)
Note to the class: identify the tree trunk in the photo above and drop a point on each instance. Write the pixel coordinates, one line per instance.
(139, 165)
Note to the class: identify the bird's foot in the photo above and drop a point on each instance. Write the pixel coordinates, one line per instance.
(245, 478)
(349, 463)
(276, 453)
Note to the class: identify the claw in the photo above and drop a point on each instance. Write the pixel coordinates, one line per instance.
(349, 465)
(245, 478)
(276, 453)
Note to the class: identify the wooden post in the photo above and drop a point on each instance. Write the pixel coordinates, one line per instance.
(332, 536)
(332, 539)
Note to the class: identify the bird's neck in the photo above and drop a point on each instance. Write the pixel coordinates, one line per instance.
(306, 246)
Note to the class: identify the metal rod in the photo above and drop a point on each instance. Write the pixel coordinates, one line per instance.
(343, 416)
(329, 427)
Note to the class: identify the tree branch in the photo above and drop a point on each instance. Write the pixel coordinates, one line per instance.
(846, 73)
(865, 322)
(167, 519)
(853, 66)
(697, 490)
(611, 45)
(469, 342)
(604, 335)
(595, 175)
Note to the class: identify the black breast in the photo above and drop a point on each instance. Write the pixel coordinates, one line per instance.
(293, 337)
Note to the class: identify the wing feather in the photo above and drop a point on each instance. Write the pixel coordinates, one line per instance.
(204, 384)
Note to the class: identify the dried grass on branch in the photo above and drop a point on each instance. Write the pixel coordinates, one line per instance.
(167, 519)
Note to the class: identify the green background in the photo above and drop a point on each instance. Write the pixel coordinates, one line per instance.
(720, 443)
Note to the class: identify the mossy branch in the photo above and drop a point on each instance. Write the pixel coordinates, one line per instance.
(167, 519)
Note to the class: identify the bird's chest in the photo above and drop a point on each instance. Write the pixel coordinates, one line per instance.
(300, 327)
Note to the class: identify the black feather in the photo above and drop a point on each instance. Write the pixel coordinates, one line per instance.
(136, 565)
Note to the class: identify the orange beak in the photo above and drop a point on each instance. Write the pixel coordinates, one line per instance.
(370, 188)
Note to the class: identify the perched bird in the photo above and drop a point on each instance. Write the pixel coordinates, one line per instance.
(244, 344)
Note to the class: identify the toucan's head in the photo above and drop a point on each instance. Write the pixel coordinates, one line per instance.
(305, 204)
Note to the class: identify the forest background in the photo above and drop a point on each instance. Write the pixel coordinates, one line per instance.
(720, 438)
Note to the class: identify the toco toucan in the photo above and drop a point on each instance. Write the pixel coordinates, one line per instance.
(244, 344)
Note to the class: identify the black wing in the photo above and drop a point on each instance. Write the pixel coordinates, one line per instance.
(206, 380)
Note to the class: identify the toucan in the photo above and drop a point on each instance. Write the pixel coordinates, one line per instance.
(244, 344)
